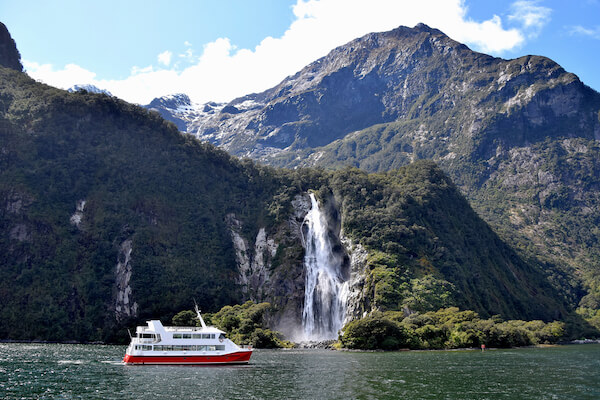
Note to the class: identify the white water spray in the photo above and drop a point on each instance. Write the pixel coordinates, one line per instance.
(325, 291)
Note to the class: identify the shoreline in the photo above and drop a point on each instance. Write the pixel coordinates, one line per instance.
(329, 346)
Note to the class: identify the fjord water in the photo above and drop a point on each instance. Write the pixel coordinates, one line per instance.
(65, 371)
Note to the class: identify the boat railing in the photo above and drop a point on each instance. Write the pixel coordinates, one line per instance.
(183, 328)
(136, 340)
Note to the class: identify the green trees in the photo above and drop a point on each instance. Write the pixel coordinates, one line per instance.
(246, 324)
(186, 318)
(377, 332)
(447, 328)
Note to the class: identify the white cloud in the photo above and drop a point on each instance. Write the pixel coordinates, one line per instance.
(530, 15)
(165, 58)
(223, 72)
(582, 31)
(70, 75)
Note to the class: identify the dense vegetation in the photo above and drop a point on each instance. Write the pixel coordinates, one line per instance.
(244, 324)
(169, 196)
(141, 180)
(428, 249)
(447, 328)
(519, 137)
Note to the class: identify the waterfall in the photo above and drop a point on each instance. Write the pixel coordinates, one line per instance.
(326, 290)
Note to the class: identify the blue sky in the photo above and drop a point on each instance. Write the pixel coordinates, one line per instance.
(218, 50)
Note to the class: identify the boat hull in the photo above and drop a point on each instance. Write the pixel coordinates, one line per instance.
(240, 357)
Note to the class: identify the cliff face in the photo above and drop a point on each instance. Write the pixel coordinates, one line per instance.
(408, 93)
(519, 137)
(9, 55)
(110, 216)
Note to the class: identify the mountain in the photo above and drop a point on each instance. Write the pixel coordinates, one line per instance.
(178, 108)
(519, 137)
(110, 216)
(9, 55)
(88, 88)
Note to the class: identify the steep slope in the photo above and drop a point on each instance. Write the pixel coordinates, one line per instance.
(9, 55)
(88, 88)
(177, 108)
(108, 216)
(108, 213)
(518, 136)
(443, 99)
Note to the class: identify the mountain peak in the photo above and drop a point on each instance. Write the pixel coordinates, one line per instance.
(9, 55)
(88, 88)
(171, 101)
(425, 28)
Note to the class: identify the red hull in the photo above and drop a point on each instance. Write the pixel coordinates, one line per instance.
(241, 357)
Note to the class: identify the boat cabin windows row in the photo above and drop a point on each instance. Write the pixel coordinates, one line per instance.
(142, 347)
(147, 335)
(189, 348)
(193, 336)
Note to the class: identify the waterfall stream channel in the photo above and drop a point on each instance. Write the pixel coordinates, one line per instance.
(326, 290)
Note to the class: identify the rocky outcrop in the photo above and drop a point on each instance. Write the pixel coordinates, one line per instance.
(78, 214)
(9, 55)
(178, 108)
(20, 232)
(359, 303)
(451, 101)
(253, 264)
(125, 307)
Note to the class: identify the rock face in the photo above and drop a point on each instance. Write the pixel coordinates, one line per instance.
(177, 108)
(442, 100)
(78, 214)
(359, 303)
(9, 55)
(519, 137)
(125, 307)
(253, 264)
(88, 88)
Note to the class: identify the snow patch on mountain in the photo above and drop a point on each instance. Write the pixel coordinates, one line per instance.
(88, 88)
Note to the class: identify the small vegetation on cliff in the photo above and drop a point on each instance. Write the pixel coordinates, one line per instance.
(448, 328)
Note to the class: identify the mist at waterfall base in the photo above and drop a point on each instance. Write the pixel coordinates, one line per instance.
(326, 290)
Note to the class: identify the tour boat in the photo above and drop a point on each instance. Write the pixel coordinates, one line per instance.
(158, 344)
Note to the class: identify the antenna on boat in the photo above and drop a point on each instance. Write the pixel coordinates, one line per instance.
(199, 315)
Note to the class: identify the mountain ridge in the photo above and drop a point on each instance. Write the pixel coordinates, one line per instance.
(519, 137)
(9, 55)
(109, 216)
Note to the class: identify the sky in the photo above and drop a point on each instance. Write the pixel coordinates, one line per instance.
(220, 50)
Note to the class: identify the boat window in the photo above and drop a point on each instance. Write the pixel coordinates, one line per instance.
(184, 348)
(187, 336)
(197, 336)
(177, 336)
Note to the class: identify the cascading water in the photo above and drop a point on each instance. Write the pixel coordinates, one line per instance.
(326, 290)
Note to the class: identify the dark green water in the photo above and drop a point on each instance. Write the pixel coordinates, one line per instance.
(57, 371)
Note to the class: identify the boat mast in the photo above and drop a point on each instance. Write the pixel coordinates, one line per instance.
(199, 315)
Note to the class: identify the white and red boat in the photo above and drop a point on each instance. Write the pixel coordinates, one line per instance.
(158, 344)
